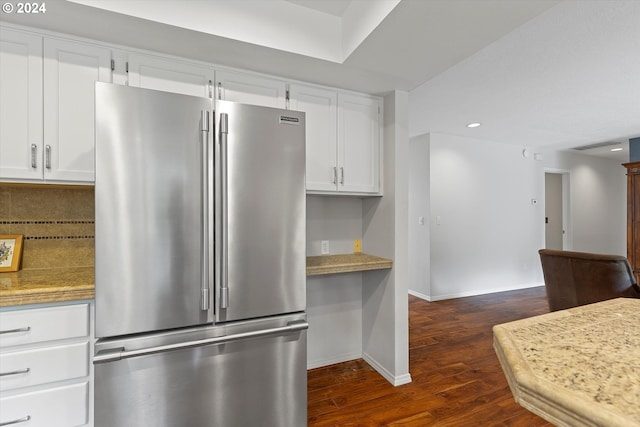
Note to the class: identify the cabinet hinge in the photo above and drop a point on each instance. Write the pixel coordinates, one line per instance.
(113, 65)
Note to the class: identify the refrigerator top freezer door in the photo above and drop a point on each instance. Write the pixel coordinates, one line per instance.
(151, 210)
(261, 234)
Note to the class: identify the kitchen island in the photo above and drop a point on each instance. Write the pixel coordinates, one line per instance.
(576, 367)
(46, 285)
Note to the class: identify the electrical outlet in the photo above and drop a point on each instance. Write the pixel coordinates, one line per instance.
(357, 246)
(324, 247)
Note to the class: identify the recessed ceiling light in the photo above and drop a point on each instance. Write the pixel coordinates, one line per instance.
(616, 149)
(473, 125)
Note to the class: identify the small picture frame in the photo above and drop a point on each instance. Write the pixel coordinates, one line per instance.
(10, 252)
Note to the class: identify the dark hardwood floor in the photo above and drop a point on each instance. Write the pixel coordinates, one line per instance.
(457, 379)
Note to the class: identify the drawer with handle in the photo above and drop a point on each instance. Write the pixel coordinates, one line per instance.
(60, 406)
(43, 324)
(43, 365)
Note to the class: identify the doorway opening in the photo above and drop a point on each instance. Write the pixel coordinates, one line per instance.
(556, 210)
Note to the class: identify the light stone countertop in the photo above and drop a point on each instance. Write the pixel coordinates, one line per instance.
(576, 367)
(46, 285)
(345, 263)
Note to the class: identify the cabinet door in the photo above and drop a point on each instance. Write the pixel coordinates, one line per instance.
(152, 72)
(358, 144)
(70, 72)
(250, 89)
(320, 117)
(20, 105)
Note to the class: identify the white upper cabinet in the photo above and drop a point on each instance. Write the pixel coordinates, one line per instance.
(320, 110)
(70, 72)
(152, 72)
(47, 130)
(20, 105)
(358, 143)
(250, 89)
(47, 107)
(343, 140)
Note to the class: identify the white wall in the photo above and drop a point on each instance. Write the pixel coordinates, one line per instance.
(385, 324)
(419, 257)
(334, 302)
(336, 219)
(598, 201)
(484, 231)
(334, 313)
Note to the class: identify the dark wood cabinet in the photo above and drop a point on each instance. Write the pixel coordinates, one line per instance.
(633, 217)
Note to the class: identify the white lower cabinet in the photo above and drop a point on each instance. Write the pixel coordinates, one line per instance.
(64, 406)
(45, 366)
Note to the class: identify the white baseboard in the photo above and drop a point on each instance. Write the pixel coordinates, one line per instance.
(318, 363)
(420, 295)
(482, 292)
(395, 380)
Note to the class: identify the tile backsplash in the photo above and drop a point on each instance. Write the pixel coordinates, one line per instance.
(57, 223)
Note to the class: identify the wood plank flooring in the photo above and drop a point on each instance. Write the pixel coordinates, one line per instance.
(457, 379)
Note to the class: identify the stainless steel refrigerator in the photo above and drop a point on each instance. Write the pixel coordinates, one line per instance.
(200, 262)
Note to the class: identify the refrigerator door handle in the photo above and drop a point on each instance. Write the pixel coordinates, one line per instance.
(204, 128)
(113, 355)
(224, 284)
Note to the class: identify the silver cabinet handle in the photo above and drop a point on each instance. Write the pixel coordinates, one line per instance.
(121, 353)
(34, 156)
(47, 152)
(224, 283)
(15, 331)
(204, 117)
(341, 175)
(21, 420)
(18, 372)
(335, 175)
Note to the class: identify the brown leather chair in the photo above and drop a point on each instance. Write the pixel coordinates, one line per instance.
(578, 278)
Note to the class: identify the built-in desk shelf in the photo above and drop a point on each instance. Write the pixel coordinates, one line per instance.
(345, 263)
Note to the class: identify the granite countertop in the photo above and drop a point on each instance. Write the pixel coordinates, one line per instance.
(331, 264)
(576, 367)
(46, 285)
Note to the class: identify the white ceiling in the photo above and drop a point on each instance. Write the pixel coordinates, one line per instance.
(332, 7)
(536, 73)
